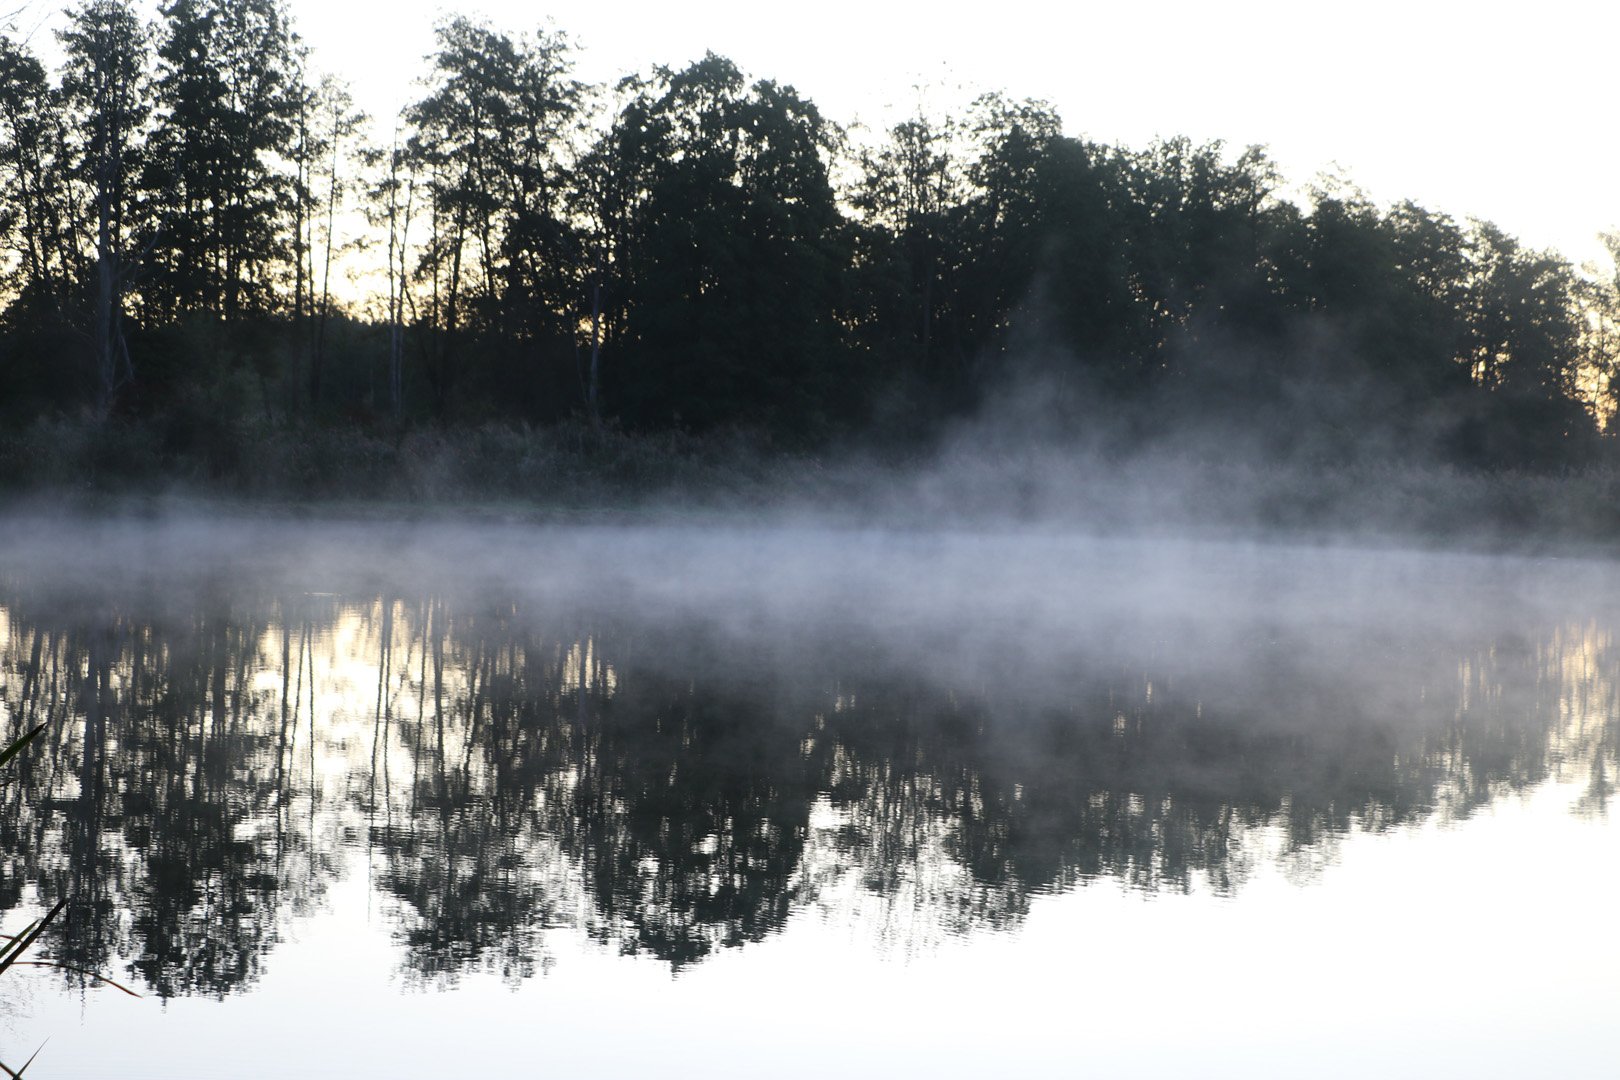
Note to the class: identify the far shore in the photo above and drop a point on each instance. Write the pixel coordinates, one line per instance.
(576, 475)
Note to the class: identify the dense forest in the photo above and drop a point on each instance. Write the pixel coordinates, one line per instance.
(204, 243)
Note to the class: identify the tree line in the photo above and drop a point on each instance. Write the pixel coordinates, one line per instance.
(181, 200)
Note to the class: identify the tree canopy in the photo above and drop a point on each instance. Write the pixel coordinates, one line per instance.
(694, 248)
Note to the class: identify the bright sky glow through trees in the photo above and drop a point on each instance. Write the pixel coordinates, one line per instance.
(1496, 112)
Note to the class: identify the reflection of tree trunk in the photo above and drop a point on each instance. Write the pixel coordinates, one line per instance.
(480, 687)
(298, 698)
(93, 718)
(425, 617)
(298, 689)
(282, 735)
(314, 787)
(31, 680)
(580, 715)
(438, 693)
(380, 717)
(84, 870)
(208, 734)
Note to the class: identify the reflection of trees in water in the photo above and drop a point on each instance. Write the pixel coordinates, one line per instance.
(673, 790)
(159, 797)
(474, 874)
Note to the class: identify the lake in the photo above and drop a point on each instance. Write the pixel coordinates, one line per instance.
(386, 799)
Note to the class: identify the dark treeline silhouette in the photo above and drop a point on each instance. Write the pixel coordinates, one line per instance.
(501, 767)
(690, 250)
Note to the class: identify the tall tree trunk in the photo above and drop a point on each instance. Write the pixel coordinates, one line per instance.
(596, 346)
(326, 278)
(397, 353)
(106, 304)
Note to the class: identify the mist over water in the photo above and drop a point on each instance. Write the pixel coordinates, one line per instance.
(519, 756)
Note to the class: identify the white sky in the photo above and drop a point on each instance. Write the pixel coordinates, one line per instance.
(1506, 112)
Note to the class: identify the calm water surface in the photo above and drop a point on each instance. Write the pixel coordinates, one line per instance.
(387, 800)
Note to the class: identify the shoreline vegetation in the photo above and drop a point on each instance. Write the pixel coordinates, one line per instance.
(688, 292)
(577, 474)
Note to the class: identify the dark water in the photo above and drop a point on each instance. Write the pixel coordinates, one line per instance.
(378, 800)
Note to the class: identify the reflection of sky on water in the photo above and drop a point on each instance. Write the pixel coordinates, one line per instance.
(691, 820)
(1428, 952)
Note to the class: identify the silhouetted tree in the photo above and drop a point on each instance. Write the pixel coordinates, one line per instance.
(107, 94)
(673, 251)
(228, 93)
(734, 259)
(492, 139)
(36, 208)
(909, 188)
